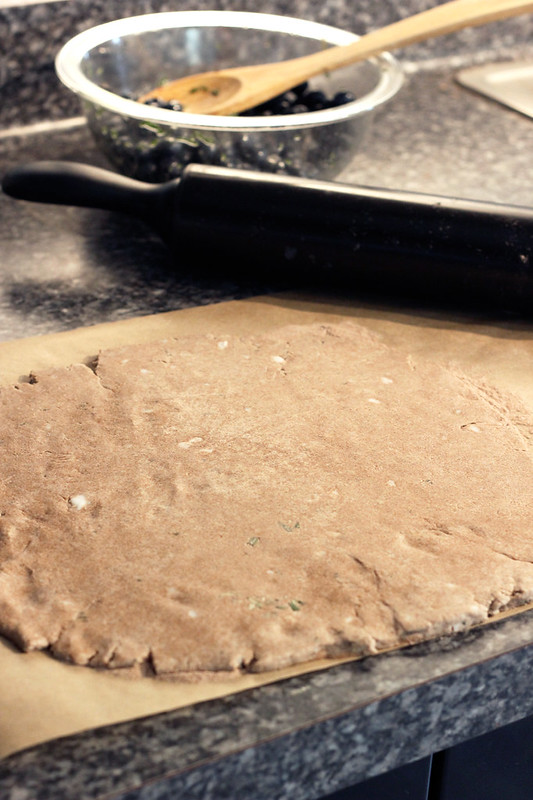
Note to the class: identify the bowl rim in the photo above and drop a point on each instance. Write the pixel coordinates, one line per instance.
(69, 59)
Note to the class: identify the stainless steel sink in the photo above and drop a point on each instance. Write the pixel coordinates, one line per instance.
(510, 83)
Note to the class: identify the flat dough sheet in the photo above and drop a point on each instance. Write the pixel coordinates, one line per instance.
(44, 697)
(212, 504)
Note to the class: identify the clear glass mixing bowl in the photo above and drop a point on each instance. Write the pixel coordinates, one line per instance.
(111, 64)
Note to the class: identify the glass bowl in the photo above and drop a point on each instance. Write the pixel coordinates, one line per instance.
(110, 65)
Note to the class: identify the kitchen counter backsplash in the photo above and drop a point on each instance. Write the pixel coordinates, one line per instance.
(32, 33)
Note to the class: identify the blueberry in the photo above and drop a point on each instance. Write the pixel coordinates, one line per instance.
(300, 89)
(274, 105)
(341, 98)
(284, 106)
(315, 101)
(245, 149)
(281, 104)
(268, 109)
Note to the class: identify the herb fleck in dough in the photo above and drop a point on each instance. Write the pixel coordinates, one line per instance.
(217, 504)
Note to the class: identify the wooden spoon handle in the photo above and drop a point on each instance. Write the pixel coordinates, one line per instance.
(437, 21)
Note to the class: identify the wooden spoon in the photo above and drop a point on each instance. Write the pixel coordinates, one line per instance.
(229, 91)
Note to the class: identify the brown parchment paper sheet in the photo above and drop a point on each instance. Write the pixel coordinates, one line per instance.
(42, 698)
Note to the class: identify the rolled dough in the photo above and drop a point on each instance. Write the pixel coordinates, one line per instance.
(219, 504)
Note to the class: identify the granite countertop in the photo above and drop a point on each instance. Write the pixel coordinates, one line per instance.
(308, 736)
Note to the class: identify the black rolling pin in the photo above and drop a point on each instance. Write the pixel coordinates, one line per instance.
(395, 243)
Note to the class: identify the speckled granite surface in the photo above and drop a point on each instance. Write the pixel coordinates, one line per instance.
(63, 267)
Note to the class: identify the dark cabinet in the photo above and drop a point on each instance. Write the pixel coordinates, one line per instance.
(495, 766)
(409, 782)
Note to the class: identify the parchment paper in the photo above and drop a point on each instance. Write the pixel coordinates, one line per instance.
(42, 698)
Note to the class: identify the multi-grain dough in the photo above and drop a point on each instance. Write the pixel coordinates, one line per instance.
(222, 504)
